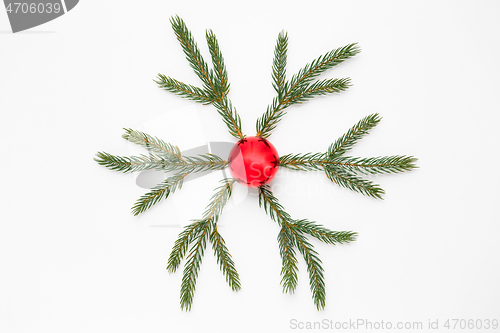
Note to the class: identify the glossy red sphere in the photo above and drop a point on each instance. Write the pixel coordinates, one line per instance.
(253, 161)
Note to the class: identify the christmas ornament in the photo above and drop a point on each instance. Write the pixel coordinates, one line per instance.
(254, 162)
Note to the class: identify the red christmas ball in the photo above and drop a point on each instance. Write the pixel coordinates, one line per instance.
(253, 161)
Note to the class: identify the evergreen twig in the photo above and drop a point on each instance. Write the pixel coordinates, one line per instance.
(316, 278)
(198, 232)
(286, 239)
(215, 82)
(318, 88)
(376, 165)
(292, 234)
(289, 270)
(324, 234)
(321, 64)
(279, 63)
(181, 245)
(271, 206)
(130, 164)
(230, 117)
(224, 259)
(299, 88)
(352, 182)
(158, 193)
(188, 164)
(219, 199)
(303, 162)
(212, 212)
(342, 170)
(355, 133)
(185, 90)
(363, 165)
(193, 54)
(162, 156)
(221, 82)
(153, 144)
(192, 266)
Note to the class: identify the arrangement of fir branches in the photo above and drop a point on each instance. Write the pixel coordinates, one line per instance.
(294, 234)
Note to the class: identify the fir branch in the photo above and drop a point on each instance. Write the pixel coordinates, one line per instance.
(163, 156)
(292, 235)
(188, 164)
(221, 82)
(203, 231)
(230, 117)
(324, 234)
(202, 162)
(299, 89)
(303, 162)
(375, 165)
(279, 63)
(289, 270)
(131, 164)
(321, 64)
(318, 88)
(340, 169)
(157, 193)
(224, 260)
(355, 133)
(316, 278)
(219, 200)
(153, 144)
(363, 165)
(193, 54)
(185, 90)
(221, 89)
(272, 206)
(352, 182)
(274, 112)
(286, 240)
(181, 245)
(215, 86)
(193, 263)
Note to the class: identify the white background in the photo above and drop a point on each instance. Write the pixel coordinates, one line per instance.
(73, 258)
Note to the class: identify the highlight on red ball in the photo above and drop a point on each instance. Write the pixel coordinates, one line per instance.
(253, 161)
